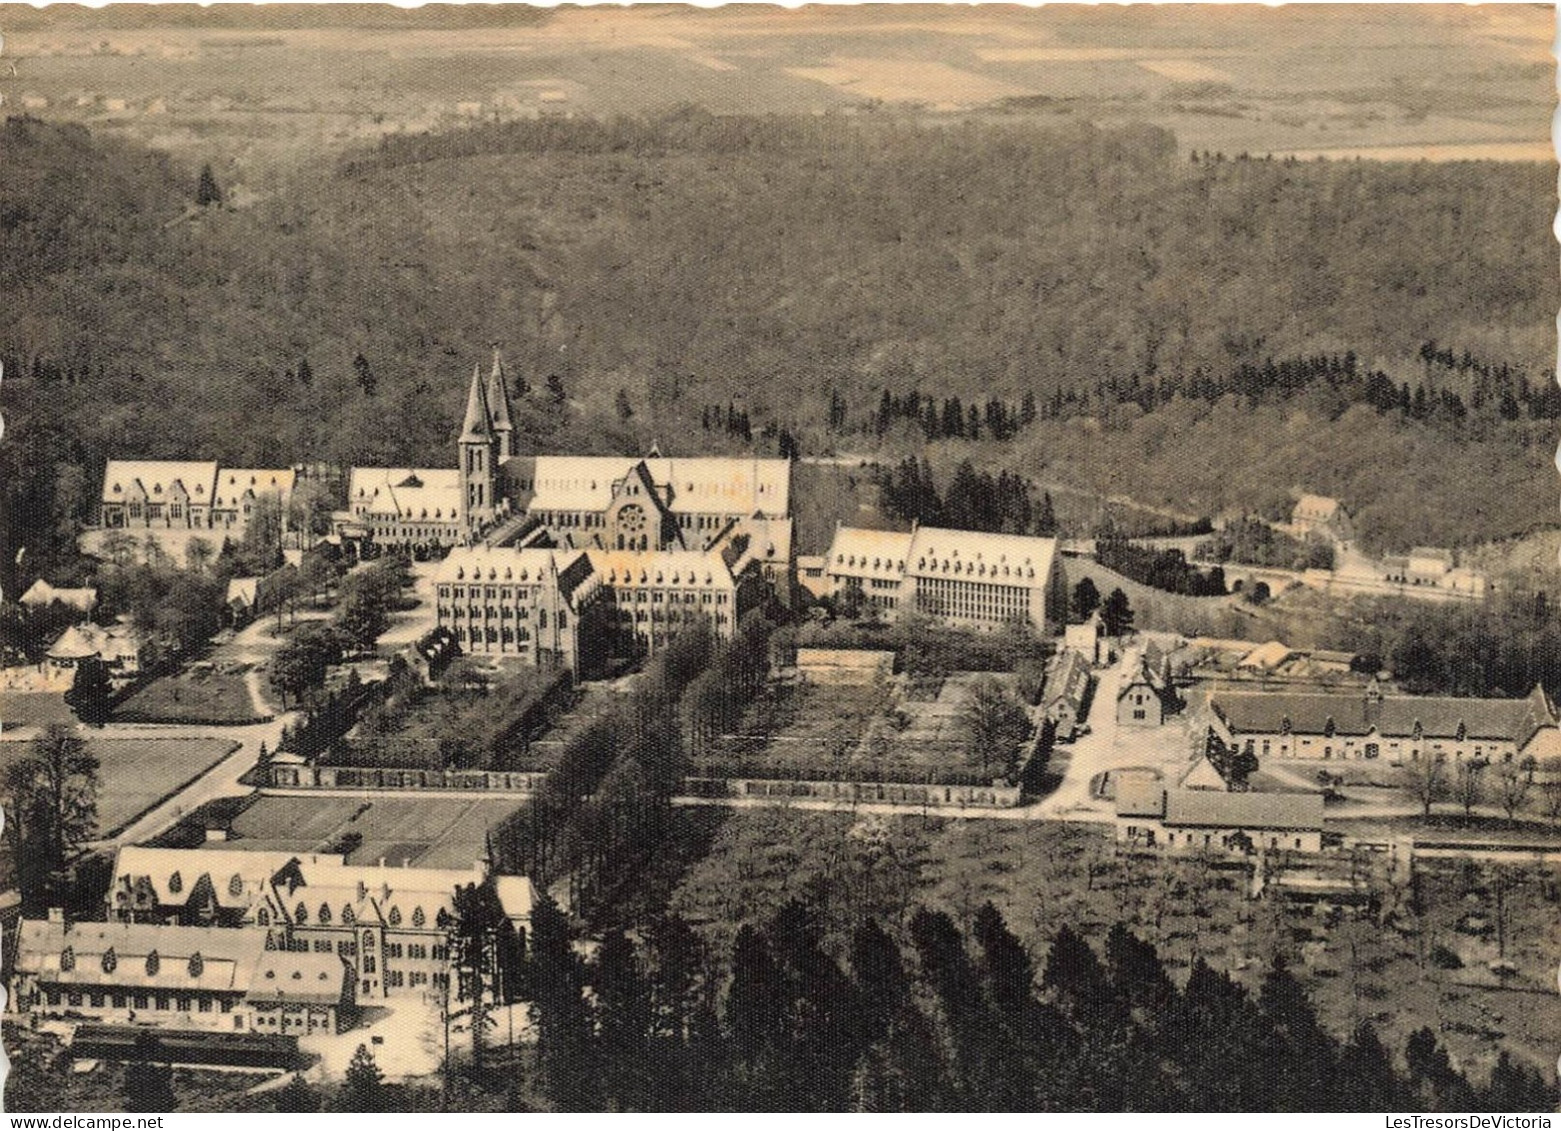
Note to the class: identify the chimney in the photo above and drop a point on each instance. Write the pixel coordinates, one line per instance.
(57, 915)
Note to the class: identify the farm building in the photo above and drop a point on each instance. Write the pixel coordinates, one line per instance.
(1151, 816)
(1400, 728)
(1066, 698)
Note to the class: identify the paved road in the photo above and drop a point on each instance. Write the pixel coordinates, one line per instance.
(1091, 754)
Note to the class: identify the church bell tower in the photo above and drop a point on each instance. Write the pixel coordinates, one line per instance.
(478, 448)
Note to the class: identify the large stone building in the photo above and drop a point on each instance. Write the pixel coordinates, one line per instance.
(624, 503)
(560, 606)
(401, 505)
(959, 577)
(187, 494)
(1398, 728)
(389, 925)
(211, 978)
(529, 603)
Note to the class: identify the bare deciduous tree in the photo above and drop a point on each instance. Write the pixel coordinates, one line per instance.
(1426, 781)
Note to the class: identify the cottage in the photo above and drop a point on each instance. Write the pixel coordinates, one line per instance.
(118, 647)
(1320, 516)
(242, 593)
(1146, 694)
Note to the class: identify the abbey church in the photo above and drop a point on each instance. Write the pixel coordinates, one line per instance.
(619, 503)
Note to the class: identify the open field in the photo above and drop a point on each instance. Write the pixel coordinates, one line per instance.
(264, 95)
(425, 832)
(1041, 875)
(136, 773)
(206, 697)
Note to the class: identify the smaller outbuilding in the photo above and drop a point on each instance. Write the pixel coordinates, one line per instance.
(1188, 820)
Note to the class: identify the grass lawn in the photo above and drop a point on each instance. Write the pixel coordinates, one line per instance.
(1041, 875)
(33, 709)
(191, 697)
(136, 773)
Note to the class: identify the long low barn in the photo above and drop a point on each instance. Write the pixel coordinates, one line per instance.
(1334, 725)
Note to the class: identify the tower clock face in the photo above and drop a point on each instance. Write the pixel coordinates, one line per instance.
(631, 519)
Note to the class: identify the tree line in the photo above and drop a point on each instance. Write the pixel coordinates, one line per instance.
(973, 500)
(925, 1016)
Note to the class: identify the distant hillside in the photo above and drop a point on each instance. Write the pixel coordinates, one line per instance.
(795, 267)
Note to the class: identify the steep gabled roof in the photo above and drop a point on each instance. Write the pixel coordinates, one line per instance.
(502, 416)
(477, 427)
(879, 554)
(159, 480)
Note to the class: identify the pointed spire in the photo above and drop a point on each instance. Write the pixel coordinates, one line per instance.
(478, 424)
(498, 395)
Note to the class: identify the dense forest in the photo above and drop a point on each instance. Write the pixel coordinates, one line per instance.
(1074, 294)
(945, 1021)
